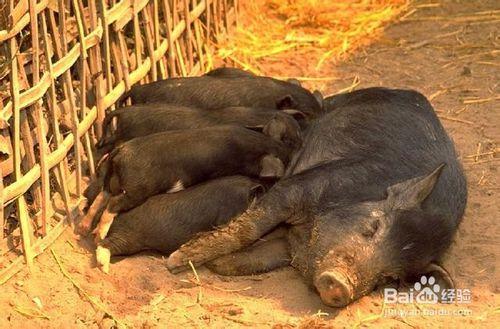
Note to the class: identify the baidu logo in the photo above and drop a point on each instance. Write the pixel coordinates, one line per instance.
(427, 291)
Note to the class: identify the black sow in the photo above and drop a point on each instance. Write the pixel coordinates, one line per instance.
(375, 192)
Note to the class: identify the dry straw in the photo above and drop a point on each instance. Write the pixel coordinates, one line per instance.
(274, 30)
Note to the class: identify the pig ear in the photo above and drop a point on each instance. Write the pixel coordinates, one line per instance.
(286, 102)
(274, 129)
(296, 114)
(412, 192)
(271, 167)
(294, 81)
(256, 191)
(319, 97)
(257, 128)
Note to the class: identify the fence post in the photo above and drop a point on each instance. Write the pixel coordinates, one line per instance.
(21, 203)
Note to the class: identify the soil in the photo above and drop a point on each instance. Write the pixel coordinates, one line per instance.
(454, 62)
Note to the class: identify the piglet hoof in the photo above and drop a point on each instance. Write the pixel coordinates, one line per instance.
(176, 262)
(84, 205)
(103, 257)
(83, 228)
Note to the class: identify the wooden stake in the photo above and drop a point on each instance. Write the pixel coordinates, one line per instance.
(52, 105)
(42, 143)
(21, 204)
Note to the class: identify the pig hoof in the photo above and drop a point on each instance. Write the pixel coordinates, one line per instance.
(176, 262)
(334, 289)
(103, 257)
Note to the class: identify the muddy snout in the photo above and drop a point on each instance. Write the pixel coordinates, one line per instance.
(334, 288)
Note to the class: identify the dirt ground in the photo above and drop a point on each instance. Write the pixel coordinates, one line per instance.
(454, 62)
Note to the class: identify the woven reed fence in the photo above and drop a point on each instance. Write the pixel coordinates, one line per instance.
(63, 63)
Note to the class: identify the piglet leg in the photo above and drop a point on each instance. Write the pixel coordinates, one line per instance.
(115, 204)
(102, 228)
(103, 258)
(97, 205)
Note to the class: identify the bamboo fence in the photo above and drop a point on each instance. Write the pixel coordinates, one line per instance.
(63, 63)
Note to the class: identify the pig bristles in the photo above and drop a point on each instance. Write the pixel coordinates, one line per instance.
(198, 282)
(97, 304)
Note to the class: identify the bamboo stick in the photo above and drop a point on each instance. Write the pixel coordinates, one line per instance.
(107, 56)
(96, 67)
(116, 59)
(83, 84)
(124, 60)
(199, 44)
(167, 12)
(27, 140)
(52, 105)
(21, 204)
(68, 87)
(137, 38)
(42, 143)
(188, 35)
(156, 28)
(150, 43)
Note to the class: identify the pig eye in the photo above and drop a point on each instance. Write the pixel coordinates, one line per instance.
(371, 228)
(348, 260)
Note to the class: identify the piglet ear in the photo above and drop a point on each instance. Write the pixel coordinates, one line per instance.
(257, 128)
(256, 191)
(294, 81)
(275, 129)
(296, 114)
(319, 98)
(286, 102)
(412, 192)
(271, 167)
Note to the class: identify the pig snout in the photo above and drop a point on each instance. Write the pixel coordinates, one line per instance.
(335, 288)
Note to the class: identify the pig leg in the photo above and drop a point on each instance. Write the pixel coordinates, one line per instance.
(284, 202)
(239, 233)
(96, 207)
(275, 207)
(259, 258)
(121, 242)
